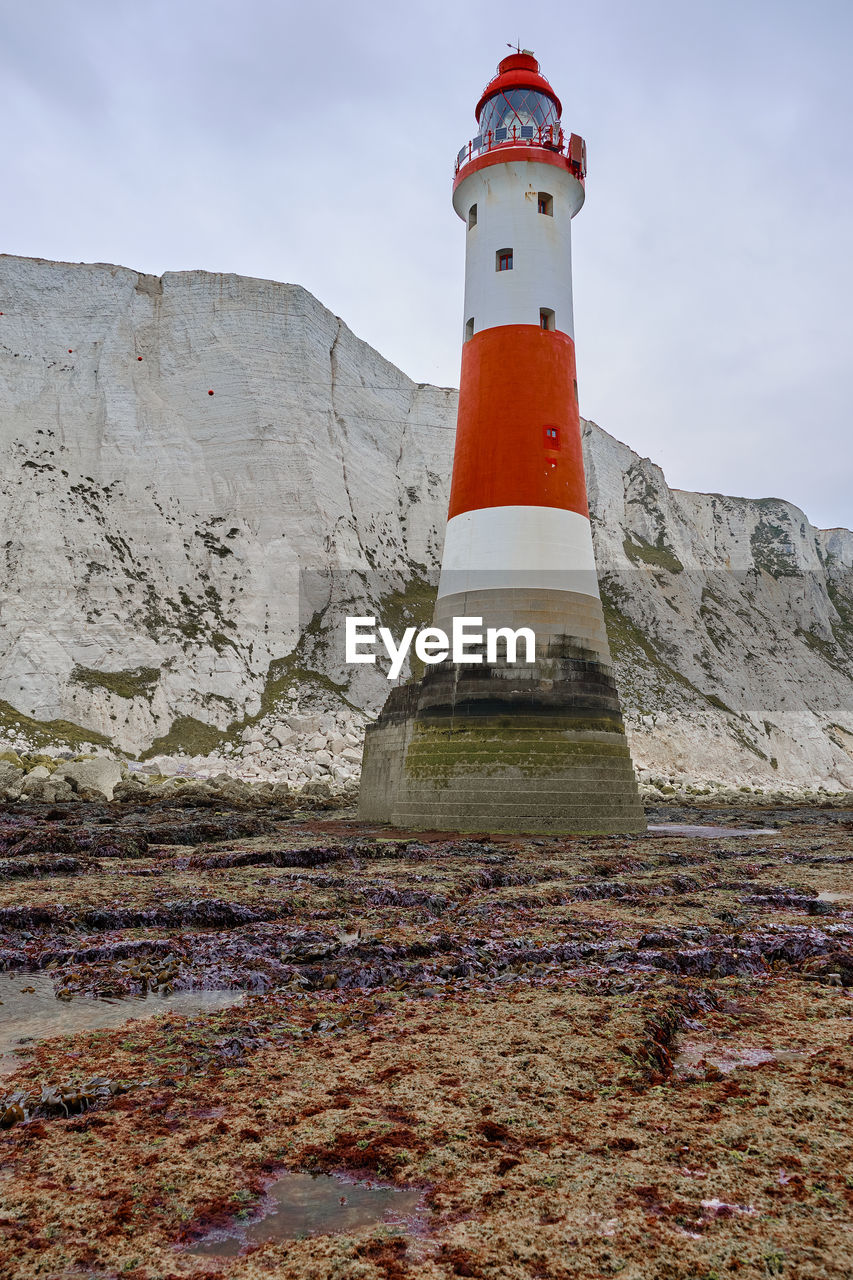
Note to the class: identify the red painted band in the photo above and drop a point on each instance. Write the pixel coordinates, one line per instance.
(503, 154)
(518, 380)
(517, 71)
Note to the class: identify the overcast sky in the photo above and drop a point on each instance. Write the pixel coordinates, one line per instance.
(314, 143)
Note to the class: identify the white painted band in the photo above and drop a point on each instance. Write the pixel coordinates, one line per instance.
(508, 217)
(529, 547)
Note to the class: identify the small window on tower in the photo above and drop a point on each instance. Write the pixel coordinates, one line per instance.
(547, 319)
(503, 260)
(469, 328)
(472, 217)
(546, 203)
(552, 437)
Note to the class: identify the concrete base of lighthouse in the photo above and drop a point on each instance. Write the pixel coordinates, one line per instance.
(497, 748)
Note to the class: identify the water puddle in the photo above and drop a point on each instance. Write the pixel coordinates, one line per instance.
(29, 1011)
(832, 895)
(308, 1204)
(684, 829)
(693, 1057)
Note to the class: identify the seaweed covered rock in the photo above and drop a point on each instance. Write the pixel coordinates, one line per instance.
(11, 780)
(129, 789)
(42, 786)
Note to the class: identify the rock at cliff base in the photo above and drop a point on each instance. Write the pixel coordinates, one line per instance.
(99, 775)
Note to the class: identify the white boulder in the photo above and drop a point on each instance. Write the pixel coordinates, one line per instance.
(99, 775)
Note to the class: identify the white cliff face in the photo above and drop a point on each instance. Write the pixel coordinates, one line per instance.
(732, 626)
(176, 563)
(157, 531)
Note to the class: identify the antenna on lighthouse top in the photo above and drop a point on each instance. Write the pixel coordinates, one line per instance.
(516, 46)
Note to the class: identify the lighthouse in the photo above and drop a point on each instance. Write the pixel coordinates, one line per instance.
(488, 741)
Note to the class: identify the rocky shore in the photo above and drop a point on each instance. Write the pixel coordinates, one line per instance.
(306, 755)
(579, 1057)
(310, 749)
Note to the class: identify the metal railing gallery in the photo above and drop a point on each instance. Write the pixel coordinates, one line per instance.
(551, 137)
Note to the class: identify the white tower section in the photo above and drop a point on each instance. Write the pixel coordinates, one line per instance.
(506, 200)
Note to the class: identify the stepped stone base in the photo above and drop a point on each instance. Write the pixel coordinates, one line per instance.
(552, 615)
(494, 748)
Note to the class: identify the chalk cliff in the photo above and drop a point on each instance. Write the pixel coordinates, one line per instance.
(176, 562)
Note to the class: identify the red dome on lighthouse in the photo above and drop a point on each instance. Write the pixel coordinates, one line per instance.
(518, 111)
(519, 72)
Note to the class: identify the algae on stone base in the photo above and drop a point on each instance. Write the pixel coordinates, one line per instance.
(435, 752)
(499, 748)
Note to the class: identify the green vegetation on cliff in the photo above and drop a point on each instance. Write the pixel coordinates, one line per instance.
(48, 733)
(134, 682)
